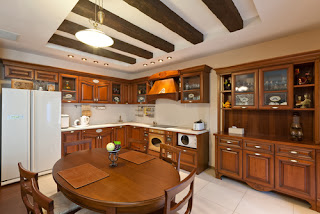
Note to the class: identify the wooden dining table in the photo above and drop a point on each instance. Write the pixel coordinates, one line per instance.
(129, 188)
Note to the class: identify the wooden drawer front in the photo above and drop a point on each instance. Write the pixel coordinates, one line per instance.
(188, 157)
(295, 152)
(169, 133)
(258, 168)
(230, 142)
(295, 177)
(258, 146)
(17, 72)
(230, 161)
(46, 76)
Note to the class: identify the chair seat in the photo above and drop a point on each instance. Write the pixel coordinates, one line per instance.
(85, 211)
(62, 205)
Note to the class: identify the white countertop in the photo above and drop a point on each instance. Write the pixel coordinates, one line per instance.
(172, 129)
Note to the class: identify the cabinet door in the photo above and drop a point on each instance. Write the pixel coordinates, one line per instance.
(103, 92)
(70, 137)
(46, 76)
(120, 135)
(245, 90)
(17, 72)
(125, 94)
(106, 136)
(295, 177)
(87, 91)
(258, 168)
(192, 89)
(276, 87)
(188, 157)
(91, 134)
(68, 85)
(135, 132)
(230, 161)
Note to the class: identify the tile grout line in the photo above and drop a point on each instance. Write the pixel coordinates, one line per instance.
(240, 201)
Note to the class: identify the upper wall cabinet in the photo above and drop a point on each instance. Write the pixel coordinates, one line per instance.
(276, 87)
(195, 84)
(245, 89)
(46, 76)
(68, 86)
(94, 90)
(18, 72)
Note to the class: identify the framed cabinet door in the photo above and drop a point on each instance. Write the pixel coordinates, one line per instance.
(103, 92)
(245, 90)
(276, 87)
(258, 168)
(120, 135)
(91, 134)
(87, 91)
(106, 137)
(230, 161)
(70, 137)
(295, 177)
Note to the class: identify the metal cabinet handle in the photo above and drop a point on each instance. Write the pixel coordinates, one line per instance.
(134, 127)
(258, 147)
(243, 107)
(229, 149)
(190, 101)
(293, 152)
(84, 131)
(228, 142)
(72, 132)
(294, 161)
(275, 107)
(257, 154)
(184, 150)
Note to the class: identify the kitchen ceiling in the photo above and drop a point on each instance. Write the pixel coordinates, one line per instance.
(146, 31)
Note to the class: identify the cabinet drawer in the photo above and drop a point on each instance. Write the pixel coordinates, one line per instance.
(295, 152)
(17, 72)
(46, 76)
(169, 133)
(230, 142)
(258, 146)
(188, 157)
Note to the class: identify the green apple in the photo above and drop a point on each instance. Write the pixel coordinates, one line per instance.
(117, 142)
(110, 146)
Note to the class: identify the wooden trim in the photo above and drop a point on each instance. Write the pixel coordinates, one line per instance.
(293, 58)
(18, 72)
(202, 68)
(164, 75)
(46, 76)
(317, 103)
(164, 15)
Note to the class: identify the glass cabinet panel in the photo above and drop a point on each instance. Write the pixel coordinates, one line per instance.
(244, 93)
(141, 92)
(191, 82)
(116, 93)
(276, 87)
(68, 87)
(191, 96)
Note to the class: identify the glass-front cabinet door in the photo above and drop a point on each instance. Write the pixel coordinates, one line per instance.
(245, 89)
(276, 87)
(191, 88)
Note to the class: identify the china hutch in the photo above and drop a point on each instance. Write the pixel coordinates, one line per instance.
(268, 98)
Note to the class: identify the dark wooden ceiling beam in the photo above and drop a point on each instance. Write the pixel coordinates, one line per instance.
(86, 8)
(72, 28)
(158, 11)
(70, 43)
(226, 11)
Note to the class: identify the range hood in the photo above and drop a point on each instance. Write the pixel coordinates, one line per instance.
(165, 86)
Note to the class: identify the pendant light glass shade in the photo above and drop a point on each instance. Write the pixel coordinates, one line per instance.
(94, 37)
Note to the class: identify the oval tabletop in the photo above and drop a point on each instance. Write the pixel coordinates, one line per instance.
(130, 188)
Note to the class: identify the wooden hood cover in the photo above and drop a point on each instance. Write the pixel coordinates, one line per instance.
(165, 88)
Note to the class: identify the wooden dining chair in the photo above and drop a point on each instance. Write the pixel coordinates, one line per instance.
(62, 204)
(76, 143)
(171, 155)
(142, 144)
(170, 206)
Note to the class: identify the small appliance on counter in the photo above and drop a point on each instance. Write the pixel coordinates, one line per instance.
(186, 140)
(198, 125)
(65, 121)
(84, 121)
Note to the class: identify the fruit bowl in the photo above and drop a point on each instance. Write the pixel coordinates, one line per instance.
(113, 149)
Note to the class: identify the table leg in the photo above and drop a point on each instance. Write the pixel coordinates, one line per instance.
(111, 210)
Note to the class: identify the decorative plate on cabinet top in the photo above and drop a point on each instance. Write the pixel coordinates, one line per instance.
(191, 96)
(68, 96)
(275, 98)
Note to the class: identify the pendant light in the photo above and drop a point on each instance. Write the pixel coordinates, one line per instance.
(95, 37)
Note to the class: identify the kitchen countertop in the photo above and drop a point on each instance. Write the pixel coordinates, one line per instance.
(172, 129)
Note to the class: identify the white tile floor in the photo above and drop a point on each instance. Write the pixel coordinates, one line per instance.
(226, 196)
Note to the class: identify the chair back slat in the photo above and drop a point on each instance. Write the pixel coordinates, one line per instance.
(170, 207)
(40, 200)
(25, 186)
(76, 143)
(174, 153)
(143, 143)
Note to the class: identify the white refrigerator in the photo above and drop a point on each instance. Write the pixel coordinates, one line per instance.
(30, 132)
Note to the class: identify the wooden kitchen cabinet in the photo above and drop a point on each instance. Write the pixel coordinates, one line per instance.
(296, 177)
(18, 72)
(91, 134)
(46, 76)
(126, 93)
(195, 84)
(120, 135)
(94, 90)
(100, 137)
(69, 137)
(137, 133)
(68, 85)
(230, 161)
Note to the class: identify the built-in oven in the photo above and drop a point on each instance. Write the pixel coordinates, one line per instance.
(187, 140)
(156, 137)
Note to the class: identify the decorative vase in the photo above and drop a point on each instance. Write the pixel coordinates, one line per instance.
(113, 157)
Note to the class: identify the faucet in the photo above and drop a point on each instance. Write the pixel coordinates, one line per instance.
(154, 123)
(120, 120)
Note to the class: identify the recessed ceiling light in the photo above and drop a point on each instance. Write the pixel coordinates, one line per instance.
(70, 56)
(160, 60)
(152, 63)
(95, 61)
(145, 64)
(83, 59)
(169, 57)
(106, 64)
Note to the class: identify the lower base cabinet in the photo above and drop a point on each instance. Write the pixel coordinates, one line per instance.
(70, 137)
(230, 161)
(100, 137)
